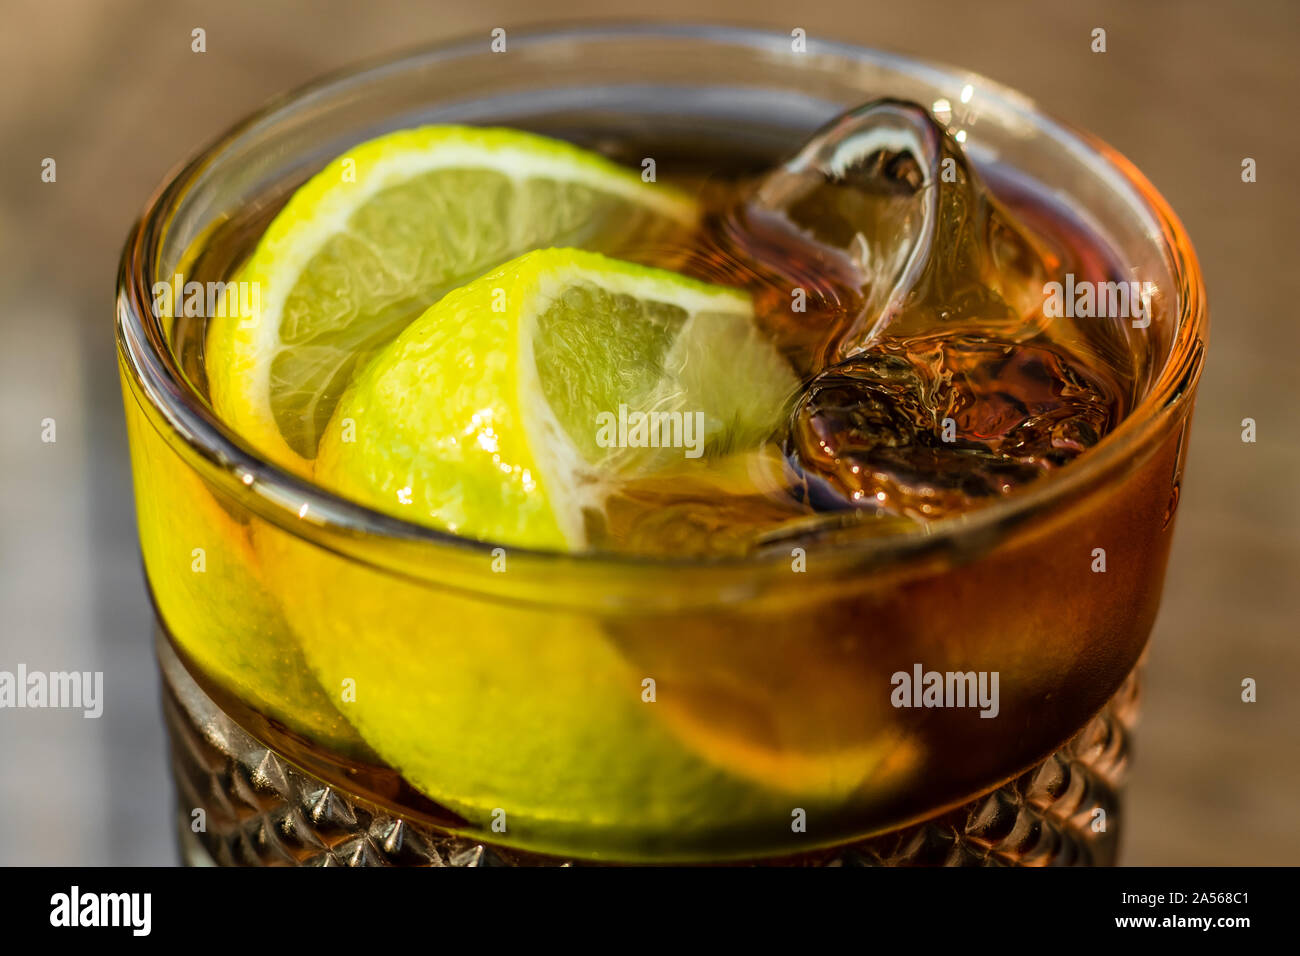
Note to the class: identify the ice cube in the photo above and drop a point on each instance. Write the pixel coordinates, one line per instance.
(941, 424)
(885, 203)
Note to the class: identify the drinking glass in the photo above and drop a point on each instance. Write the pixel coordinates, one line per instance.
(345, 687)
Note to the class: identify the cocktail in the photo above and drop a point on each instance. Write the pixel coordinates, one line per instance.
(655, 445)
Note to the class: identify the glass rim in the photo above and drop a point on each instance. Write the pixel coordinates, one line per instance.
(149, 360)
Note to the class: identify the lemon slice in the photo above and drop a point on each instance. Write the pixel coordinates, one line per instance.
(383, 232)
(509, 409)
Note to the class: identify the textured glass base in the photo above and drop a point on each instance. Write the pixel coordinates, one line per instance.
(261, 810)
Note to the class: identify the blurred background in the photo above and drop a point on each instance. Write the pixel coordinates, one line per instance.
(112, 91)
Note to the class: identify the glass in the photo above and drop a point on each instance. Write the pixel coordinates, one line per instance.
(518, 699)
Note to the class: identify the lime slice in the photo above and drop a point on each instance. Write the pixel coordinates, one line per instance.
(216, 598)
(383, 232)
(511, 408)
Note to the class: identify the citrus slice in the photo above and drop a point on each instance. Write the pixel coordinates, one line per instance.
(215, 597)
(511, 407)
(383, 232)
